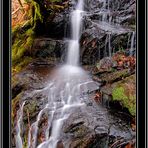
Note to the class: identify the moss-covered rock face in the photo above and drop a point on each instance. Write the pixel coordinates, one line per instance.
(23, 34)
(123, 91)
(23, 37)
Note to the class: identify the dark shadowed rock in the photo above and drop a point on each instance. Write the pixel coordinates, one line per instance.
(46, 47)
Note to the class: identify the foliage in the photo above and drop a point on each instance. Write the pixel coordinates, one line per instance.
(23, 37)
(124, 61)
(21, 65)
(37, 16)
(22, 44)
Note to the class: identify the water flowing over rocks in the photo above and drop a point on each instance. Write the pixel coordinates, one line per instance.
(92, 125)
(58, 106)
(106, 23)
(108, 27)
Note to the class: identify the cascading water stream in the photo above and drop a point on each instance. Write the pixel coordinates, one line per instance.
(109, 45)
(72, 60)
(19, 142)
(64, 91)
(76, 23)
(106, 21)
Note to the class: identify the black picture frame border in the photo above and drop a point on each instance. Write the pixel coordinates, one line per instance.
(5, 75)
(141, 74)
(1, 44)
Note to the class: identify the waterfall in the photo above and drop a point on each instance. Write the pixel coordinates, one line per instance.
(76, 23)
(68, 81)
(108, 42)
(65, 93)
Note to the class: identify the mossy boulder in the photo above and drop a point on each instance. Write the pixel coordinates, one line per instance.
(123, 91)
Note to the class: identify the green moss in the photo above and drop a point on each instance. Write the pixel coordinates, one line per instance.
(121, 49)
(37, 17)
(22, 44)
(29, 43)
(23, 63)
(23, 37)
(128, 101)
(118, 93)
(15, 30)
(30, 32)
(25, 141)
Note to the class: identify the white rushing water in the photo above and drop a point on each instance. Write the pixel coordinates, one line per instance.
(76, 23)
(19, 143)
(106, 24)
(64, 92)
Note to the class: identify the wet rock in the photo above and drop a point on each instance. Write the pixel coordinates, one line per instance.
(60, 144)
(84, 131)
(114, 76)
(105, 64)
(16, 89)
(31, 109)
(95, 43)
(46, 47)
(120, 18)
(56, 27)
(116, 64)
(86, 127)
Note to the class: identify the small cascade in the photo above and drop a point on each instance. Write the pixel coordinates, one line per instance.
(76, 23)
(106, 24)
(105, 11)
(105, 51)
(132, 42)
(108, 50)
(33, 132)
(109, 45)
(19, 142)
(104, 14)
(128, 42)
